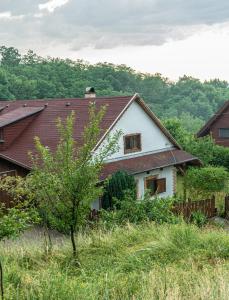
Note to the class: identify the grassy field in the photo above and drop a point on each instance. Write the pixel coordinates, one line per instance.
(135, 262)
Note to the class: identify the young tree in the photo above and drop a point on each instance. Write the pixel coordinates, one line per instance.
(65, 182)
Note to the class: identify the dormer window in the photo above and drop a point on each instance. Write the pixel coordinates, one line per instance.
(132, 143)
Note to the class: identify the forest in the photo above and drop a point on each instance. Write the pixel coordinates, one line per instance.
(30, 76)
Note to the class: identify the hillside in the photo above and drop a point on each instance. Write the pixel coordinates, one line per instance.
(30, 76)
(145, 262)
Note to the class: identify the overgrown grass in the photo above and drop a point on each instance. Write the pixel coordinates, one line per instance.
(133, 262)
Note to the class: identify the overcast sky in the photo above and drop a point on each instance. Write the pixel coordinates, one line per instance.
(172, 37)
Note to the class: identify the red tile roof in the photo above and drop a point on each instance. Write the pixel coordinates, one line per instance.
(149, 162)
(18, 114)
(44, 123)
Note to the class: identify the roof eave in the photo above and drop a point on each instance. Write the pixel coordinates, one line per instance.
(15, 162)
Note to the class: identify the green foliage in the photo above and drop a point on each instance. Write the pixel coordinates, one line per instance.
(207, 180)
(116, 186)
(30, 76)
(204, 148)
(14, 221)
(198, 218)
(65, 182)
(129, 209)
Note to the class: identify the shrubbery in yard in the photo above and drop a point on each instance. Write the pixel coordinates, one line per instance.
(115, 187)
(129, 209)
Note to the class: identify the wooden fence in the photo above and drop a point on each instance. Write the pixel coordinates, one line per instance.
(227, 207)
(207, 207)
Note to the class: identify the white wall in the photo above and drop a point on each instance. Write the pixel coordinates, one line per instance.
(135, 120)
(167, 173)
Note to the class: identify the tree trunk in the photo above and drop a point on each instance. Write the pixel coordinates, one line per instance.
(1, 281)
(73, 241)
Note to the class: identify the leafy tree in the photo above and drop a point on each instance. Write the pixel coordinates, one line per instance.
(10, 56)
(65, 181)
(30, 76)
(206, 181)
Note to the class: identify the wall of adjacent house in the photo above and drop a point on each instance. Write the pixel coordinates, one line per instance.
(135, 120)
(221, 122)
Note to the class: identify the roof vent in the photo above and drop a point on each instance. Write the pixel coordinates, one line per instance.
(67, 104)
(24, 105)
(90, 92)
(46, 104)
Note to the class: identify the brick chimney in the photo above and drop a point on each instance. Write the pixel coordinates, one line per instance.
(90, 92)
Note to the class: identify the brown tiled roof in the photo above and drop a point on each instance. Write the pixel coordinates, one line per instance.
(18, 114)
(149, 162)
(205, 129)
(44, 124)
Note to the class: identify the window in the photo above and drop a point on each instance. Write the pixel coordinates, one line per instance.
(224, 133)
(155, 185)
(132, 143)
(1, 135)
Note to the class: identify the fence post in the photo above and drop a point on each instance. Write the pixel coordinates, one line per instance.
(226, 212)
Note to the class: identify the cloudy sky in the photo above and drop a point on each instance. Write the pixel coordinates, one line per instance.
(172, 37)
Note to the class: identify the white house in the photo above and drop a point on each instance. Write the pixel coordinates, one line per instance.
(146, 149)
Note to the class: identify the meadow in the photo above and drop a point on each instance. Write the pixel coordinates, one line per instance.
(146, 261)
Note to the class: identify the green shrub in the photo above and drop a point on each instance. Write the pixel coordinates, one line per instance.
(206, 181)
(116, 186)
(129, 209)
(198, 218)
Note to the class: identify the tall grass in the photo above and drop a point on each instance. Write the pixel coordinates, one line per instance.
(134, 262)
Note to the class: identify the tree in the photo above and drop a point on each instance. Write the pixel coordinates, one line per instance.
(116, 186)
(206, 181)
(66, 181)
(10, 56)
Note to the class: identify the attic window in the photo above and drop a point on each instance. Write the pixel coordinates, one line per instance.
(155, 185)
(224, 133)
(132, 143)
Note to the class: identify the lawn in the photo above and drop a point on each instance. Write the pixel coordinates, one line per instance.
(133, 262)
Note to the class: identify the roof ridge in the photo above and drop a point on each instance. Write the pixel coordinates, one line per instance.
(214, 117)
(66, 99)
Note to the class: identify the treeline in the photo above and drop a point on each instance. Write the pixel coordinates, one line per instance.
(31, 76)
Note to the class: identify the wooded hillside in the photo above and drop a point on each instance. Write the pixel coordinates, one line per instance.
(31, 76)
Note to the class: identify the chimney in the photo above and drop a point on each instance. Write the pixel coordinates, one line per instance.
(90, 92)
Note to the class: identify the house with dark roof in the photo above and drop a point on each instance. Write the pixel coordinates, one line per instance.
(146, 148)
(218, 126)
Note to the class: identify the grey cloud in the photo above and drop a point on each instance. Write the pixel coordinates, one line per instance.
(110, 23)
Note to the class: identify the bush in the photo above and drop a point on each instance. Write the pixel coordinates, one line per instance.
(116, 186)
(198, 218)
(206, 181)
(129, 209)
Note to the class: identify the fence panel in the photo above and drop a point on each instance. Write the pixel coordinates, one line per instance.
(207, 207)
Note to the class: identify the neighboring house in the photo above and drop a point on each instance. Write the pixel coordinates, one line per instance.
(146, 149)
(218, 126)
